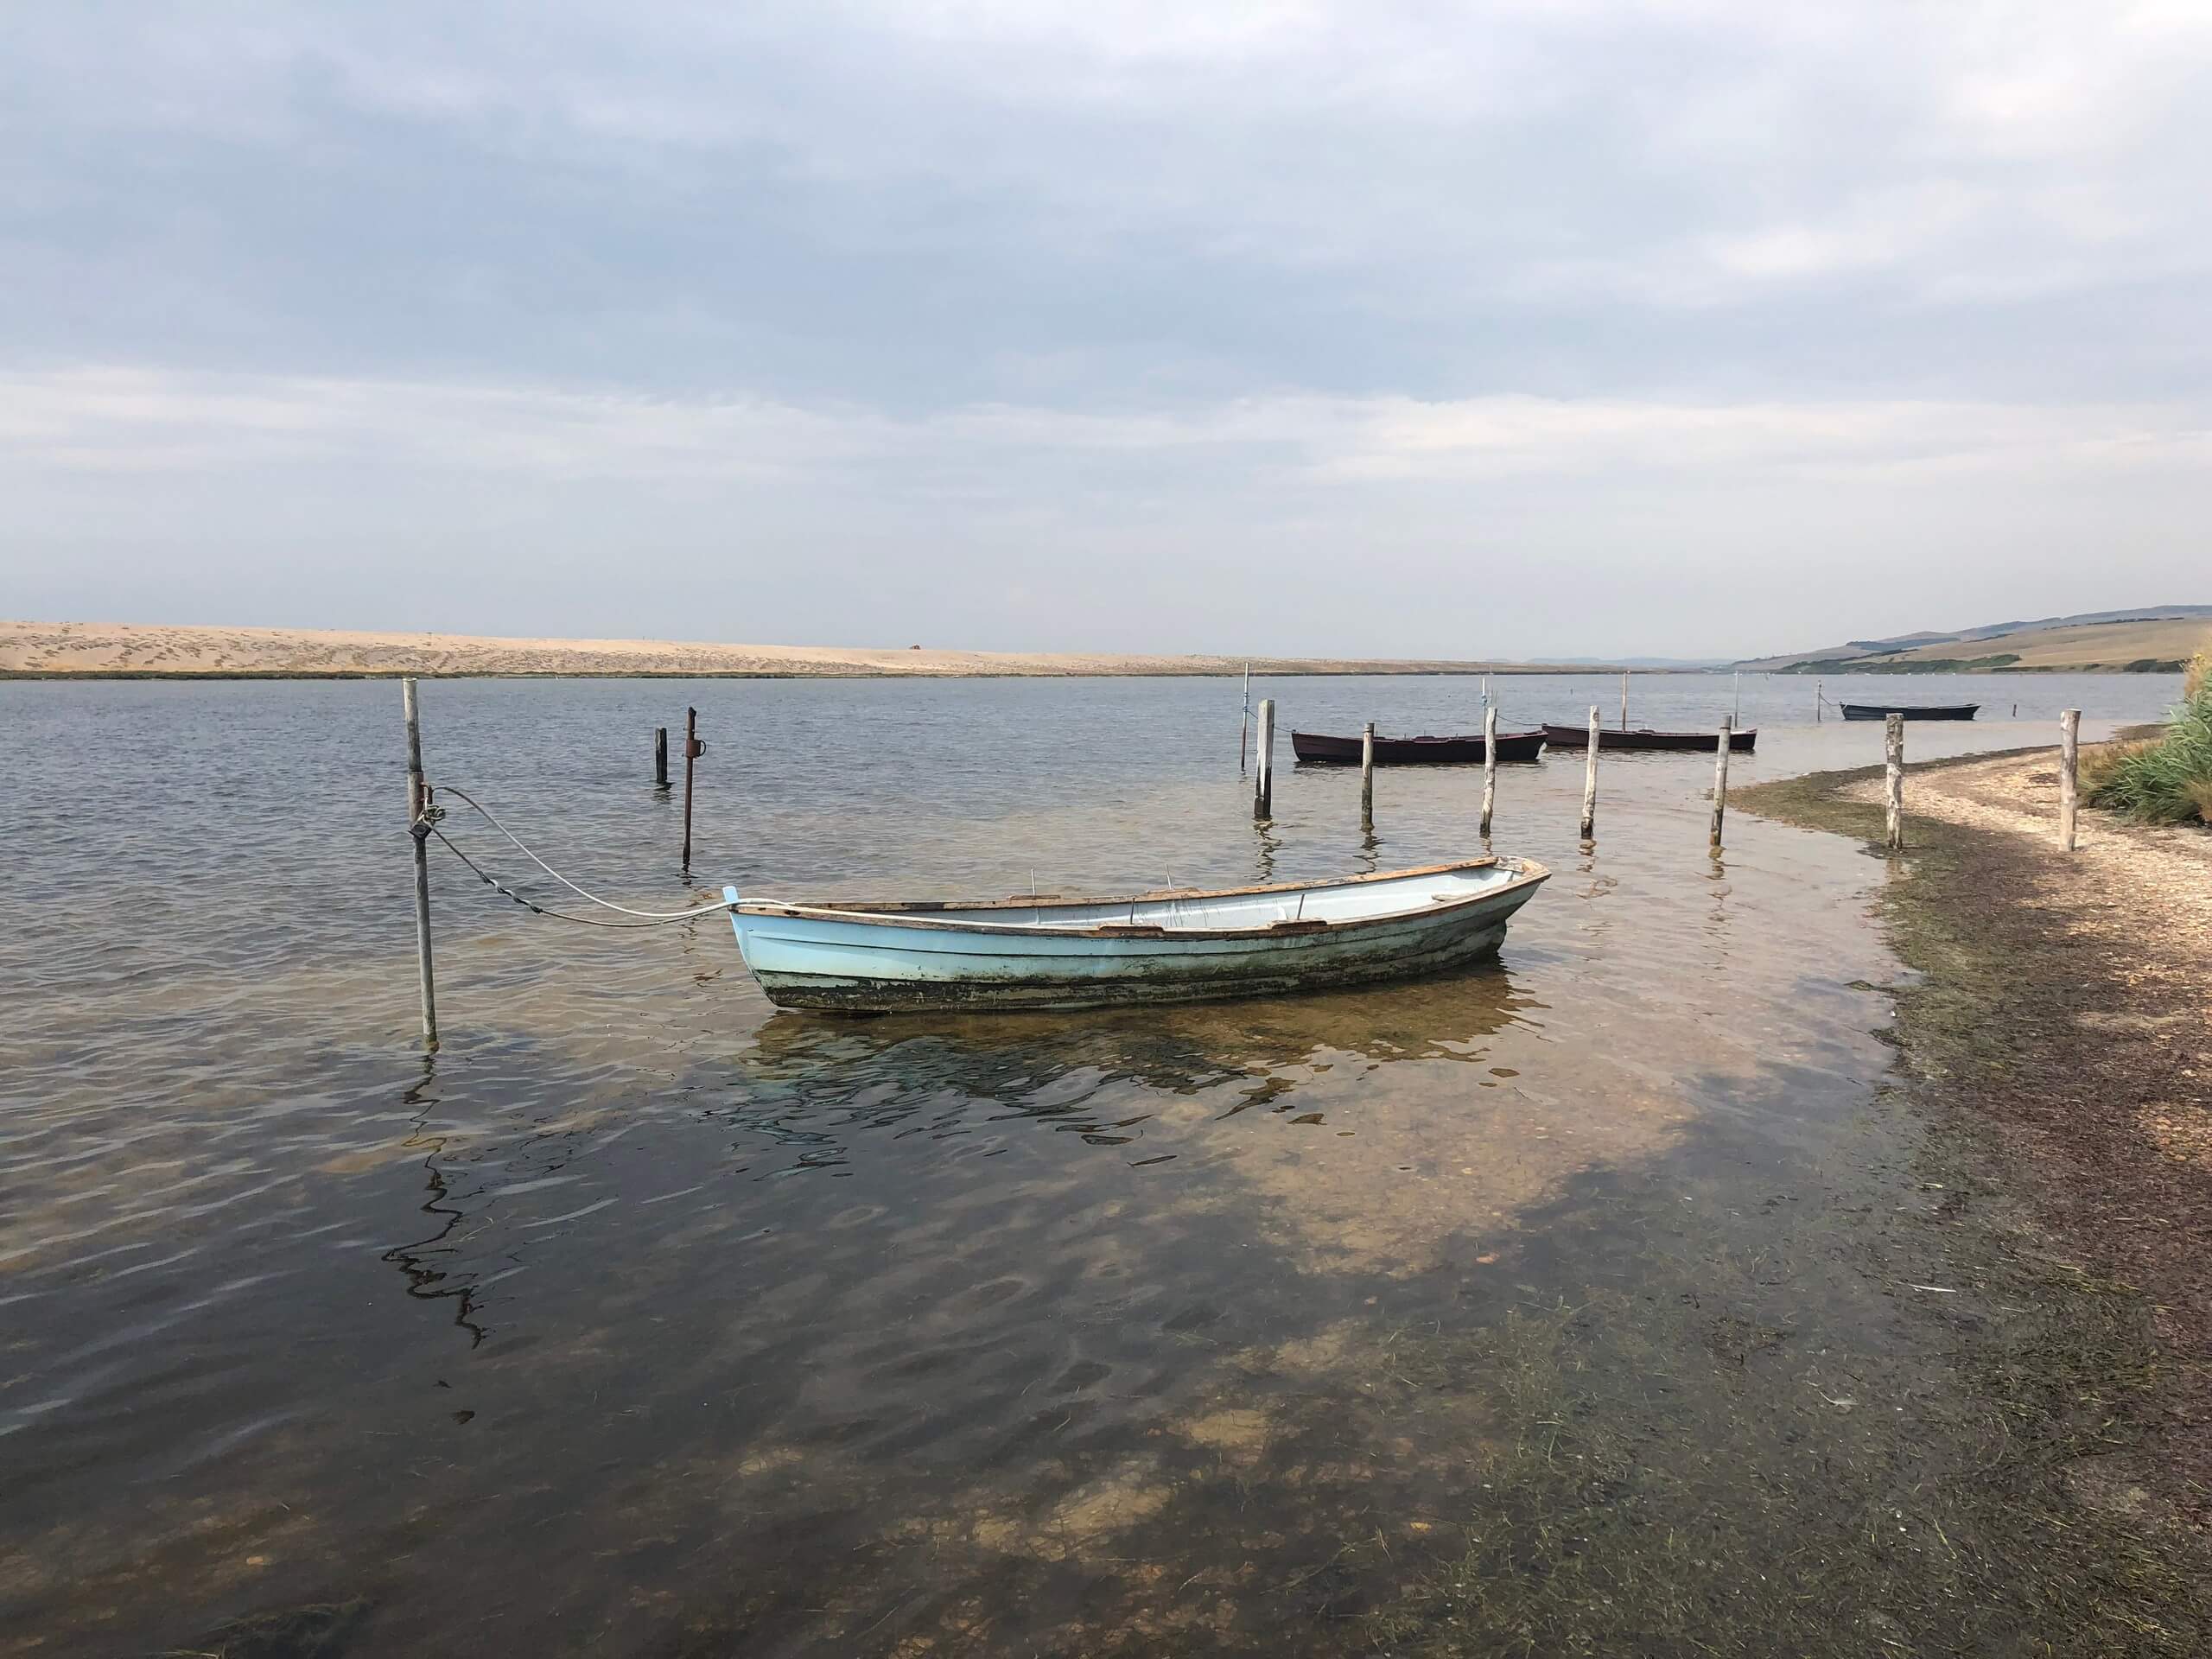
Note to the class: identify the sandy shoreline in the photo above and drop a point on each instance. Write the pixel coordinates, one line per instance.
(95, 650)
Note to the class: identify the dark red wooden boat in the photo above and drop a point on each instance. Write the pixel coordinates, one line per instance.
(1317, 748)
(1578, 737)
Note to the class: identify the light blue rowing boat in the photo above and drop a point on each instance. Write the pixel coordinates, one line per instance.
(1043, 951)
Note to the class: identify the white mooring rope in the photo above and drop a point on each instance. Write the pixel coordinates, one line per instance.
(648, 917)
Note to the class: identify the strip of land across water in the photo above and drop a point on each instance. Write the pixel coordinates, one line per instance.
(135, 650)
(2062, 1032)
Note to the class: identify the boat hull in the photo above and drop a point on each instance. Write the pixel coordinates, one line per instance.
(1910, 711)
(1578, 737)
(809, 958)
(1320, 748)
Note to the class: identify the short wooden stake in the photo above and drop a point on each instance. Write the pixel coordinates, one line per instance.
(660, 757)
(2069, 774)
(1721, 780)
(1367, 777)
(1590, 783)
(1489, 766)
(1263, 793)
(418, 826)
(1893, 771)
(692, 748)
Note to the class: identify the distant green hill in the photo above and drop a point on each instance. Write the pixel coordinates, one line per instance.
(2155, 638)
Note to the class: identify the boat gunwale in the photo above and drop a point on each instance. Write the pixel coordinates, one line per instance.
(1526, 872)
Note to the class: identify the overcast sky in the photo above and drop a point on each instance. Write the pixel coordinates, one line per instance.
(1501, 330)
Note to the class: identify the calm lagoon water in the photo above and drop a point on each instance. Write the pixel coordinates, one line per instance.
(645, 1319)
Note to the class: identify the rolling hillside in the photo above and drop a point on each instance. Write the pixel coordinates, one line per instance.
(2153, 638)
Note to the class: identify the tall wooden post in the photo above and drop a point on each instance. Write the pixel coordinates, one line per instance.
(1263, 793)
(418, 827)
(2069, 774)
(1590, 783)
(1367, 777)
(1489, 766)
(692, 748)
(1894, 778)
(1736, 712)
(1623, 702)
(1818, 699)
(1721, 780)
(660, 757)
(1245, 721)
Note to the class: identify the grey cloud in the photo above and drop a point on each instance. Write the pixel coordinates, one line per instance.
(892, 269)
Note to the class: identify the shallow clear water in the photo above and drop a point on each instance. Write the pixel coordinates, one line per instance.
(646, 1319)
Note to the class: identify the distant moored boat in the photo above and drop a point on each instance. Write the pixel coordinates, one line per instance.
(1317, 748)
(1577, 737)
(1909, 711)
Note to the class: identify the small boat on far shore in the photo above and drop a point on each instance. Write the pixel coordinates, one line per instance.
(1043, 951)
(1318, 748)
(1578, 737)
(1909, 711)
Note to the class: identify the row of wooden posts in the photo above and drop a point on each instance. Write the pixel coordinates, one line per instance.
(419, 817)
(2069, 751)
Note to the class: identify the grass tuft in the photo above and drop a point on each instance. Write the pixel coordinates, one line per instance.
(2168, 780)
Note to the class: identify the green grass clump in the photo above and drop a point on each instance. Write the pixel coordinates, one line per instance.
(2168, 780)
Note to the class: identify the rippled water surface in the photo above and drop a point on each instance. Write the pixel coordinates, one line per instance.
(645, 1319)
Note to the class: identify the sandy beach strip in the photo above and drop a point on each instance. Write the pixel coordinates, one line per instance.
(125, 649)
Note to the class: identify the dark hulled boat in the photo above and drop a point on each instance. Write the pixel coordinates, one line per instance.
(1317, 748)
(1578, 737)
(1909, 711)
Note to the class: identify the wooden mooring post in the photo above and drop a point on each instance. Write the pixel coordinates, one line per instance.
(1623, 702)
(1893, 780)
(1367, 777)
(1720, 779)
(1590, 783)
(2069, 774)
(1819, 698)
(660, 757)
(692, 748)
(1489, 766)
(1263, 790)
(418, 827)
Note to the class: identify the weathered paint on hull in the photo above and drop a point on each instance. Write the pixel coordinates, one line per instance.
(881, 970)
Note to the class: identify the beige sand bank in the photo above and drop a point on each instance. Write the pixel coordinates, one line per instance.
(113, 648)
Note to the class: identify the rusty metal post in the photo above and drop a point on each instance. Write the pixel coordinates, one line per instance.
(418, 828)
(692, 748)
(1244, 722)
